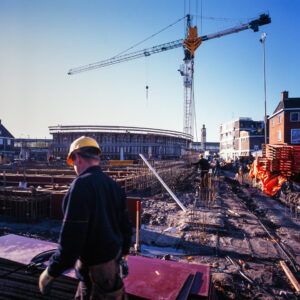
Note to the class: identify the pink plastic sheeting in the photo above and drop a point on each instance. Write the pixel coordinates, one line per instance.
(148, 278)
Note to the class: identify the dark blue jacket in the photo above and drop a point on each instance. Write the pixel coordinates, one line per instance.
(202, 164)
(96, 223)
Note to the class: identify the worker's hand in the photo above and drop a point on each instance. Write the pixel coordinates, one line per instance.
(124, 270)
(45, 282)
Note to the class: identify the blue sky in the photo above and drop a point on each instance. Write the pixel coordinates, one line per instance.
(42, 39)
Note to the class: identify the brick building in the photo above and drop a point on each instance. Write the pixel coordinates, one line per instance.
(284, 123)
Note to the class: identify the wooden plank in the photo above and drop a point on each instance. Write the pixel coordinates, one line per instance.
(290, 275)
(201, 223)
(186, 288)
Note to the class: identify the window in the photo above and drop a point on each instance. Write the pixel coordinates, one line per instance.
(294, 117)
(273, 123)
(8, 142)
(279, 135)
(1, 141)
(279, 119)
(256, 147)
(295, 136)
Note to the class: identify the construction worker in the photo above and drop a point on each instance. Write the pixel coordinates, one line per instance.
(216, 167)
(96, 230)
(203, 166)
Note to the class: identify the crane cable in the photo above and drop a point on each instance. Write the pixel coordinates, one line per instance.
(195, 118)
(147, 86)
(151, 36)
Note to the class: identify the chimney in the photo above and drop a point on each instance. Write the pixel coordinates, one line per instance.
(284, 95)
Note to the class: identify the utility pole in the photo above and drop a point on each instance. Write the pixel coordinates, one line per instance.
(262, 40)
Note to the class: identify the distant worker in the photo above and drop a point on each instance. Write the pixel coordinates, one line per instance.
(216, 167)
(96, 230)
(203, 166)
(50, 159)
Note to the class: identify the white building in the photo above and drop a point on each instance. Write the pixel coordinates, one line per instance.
(240, 137)
(120, 142)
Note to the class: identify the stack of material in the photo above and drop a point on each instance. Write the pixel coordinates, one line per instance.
(281, 159)
(17, 284)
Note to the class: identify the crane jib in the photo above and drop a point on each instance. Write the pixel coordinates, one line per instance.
(254, 25)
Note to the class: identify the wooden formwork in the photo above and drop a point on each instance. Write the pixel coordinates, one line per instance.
(25, 206)
(133, 178)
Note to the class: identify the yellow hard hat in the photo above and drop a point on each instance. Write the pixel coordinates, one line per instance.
(79, 143)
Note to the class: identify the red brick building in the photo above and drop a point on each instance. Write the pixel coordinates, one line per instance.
(284, 123)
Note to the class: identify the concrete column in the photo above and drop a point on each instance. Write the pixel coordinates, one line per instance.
(121, 153)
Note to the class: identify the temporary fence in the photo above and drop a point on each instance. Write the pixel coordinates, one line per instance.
(56, 182)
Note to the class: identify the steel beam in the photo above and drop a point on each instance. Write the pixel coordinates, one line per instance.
(163, 183)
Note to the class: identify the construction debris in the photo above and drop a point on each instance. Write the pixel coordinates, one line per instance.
(223, 219)
(290, 276)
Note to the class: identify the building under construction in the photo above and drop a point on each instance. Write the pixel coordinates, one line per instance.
(123, 143)
(217, 236)
(222, 239)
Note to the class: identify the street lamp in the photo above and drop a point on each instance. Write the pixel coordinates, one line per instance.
(262, 40)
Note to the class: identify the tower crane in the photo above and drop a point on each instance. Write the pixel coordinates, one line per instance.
(190, 43)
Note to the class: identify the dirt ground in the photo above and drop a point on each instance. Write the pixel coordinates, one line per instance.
(228, 233)
(239, 231)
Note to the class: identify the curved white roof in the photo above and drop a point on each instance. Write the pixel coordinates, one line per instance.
(118, 129)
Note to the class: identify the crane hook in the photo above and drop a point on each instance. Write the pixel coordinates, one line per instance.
(147, 88)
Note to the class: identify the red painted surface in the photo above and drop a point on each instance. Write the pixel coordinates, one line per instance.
(148, 278)
(161, 279)
(132, 204)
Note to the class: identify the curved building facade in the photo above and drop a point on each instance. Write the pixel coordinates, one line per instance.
(120, 142)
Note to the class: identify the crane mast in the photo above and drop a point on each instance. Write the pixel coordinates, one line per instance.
(191, 43)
